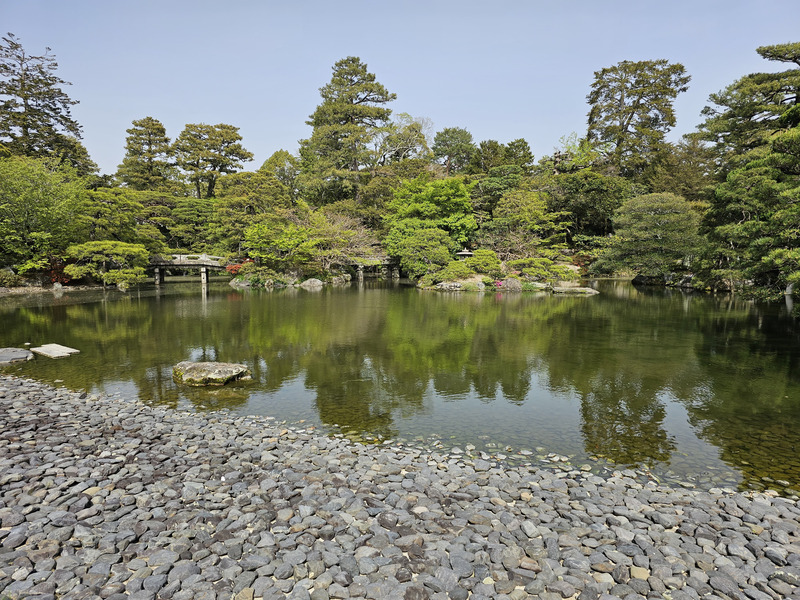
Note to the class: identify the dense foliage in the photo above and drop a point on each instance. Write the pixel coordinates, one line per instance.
(367, 185)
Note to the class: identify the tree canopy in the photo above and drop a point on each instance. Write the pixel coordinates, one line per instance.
(35, 112)
(205, 152)
(352, 111)
(721, 202)
(631, 108)
(146, 165)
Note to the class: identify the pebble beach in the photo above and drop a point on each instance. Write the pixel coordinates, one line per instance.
(103, 497)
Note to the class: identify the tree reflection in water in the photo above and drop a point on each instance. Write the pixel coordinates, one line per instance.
(381, 360)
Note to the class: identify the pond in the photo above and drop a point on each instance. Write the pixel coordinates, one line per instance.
(696, 388)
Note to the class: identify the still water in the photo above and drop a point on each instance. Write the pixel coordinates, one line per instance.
(697, 388)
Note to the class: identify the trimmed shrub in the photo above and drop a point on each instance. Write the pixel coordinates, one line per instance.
(485, 261)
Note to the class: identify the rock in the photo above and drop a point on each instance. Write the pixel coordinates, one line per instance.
(12, 355)
(579, 291)
(209, 373)
(311, 284)
(511, 284)
(116, 499)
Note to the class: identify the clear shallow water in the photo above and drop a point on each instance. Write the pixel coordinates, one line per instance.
(697, 388)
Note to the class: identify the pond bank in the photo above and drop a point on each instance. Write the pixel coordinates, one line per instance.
(103, 496)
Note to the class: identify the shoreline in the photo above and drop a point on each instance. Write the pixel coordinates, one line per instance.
(109, 497)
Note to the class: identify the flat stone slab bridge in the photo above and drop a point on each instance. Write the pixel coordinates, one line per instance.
(204, 262)
(388, 267)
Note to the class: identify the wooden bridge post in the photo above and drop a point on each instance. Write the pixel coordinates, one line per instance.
(204, 275)
(157, 276)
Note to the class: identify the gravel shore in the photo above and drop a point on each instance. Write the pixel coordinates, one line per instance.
(109, 498)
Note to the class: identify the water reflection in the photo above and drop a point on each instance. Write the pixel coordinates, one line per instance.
(581, 376)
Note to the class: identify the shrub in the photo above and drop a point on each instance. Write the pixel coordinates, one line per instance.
(485, 261)
(455, 270)
(9, 279)
(540, 268)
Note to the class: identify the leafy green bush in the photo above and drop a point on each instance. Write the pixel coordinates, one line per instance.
(455, 270)
(424, 251)
(9, 279)
(485, 261)
(259, 276)
(541, 268)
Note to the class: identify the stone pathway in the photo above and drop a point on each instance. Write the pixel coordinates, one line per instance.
(107, 498)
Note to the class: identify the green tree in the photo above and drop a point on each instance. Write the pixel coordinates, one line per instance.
(205, 152)
(402, 139)
(631, 108)
(524, 227)
(454, 147)
(424, 250)
(193, 224)
(69, 150)
(35, 113)
(488, 155)
(244, 199)
(572, 155)
(442, 204)
(116, 214)
(589, 197)
(654, 235)
(685, 169)
(487, 191)
(746, 113)
(304, 241)
(146, 165)
(39, 204)
(109, 261)
(352, 111)
(286, 168)
(754, 218)
(518, 152)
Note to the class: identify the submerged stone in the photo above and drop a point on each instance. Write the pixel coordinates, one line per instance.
(209, 373)
(587, 291)
(12, 355)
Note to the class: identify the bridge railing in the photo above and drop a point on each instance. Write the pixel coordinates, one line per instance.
(188, 260)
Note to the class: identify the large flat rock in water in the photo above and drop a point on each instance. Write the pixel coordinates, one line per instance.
(12, 355)
(54, 351)
(209, 373)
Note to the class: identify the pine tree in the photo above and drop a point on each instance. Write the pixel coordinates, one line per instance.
(147, 150)
(35, 113)
(352, 110)
(631, 108)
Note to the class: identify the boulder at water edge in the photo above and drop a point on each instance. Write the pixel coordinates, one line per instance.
(311, 284)
(209, 373)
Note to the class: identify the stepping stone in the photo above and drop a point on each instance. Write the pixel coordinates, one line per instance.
(12, 355)
(54, 351)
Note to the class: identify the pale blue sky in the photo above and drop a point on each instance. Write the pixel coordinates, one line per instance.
(503, 69)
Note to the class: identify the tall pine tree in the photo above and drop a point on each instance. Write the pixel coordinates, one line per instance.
(147, 150)
(353, 107)
(35, 113)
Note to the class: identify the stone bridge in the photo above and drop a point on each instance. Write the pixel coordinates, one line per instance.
(204, 262)
(381, 265)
